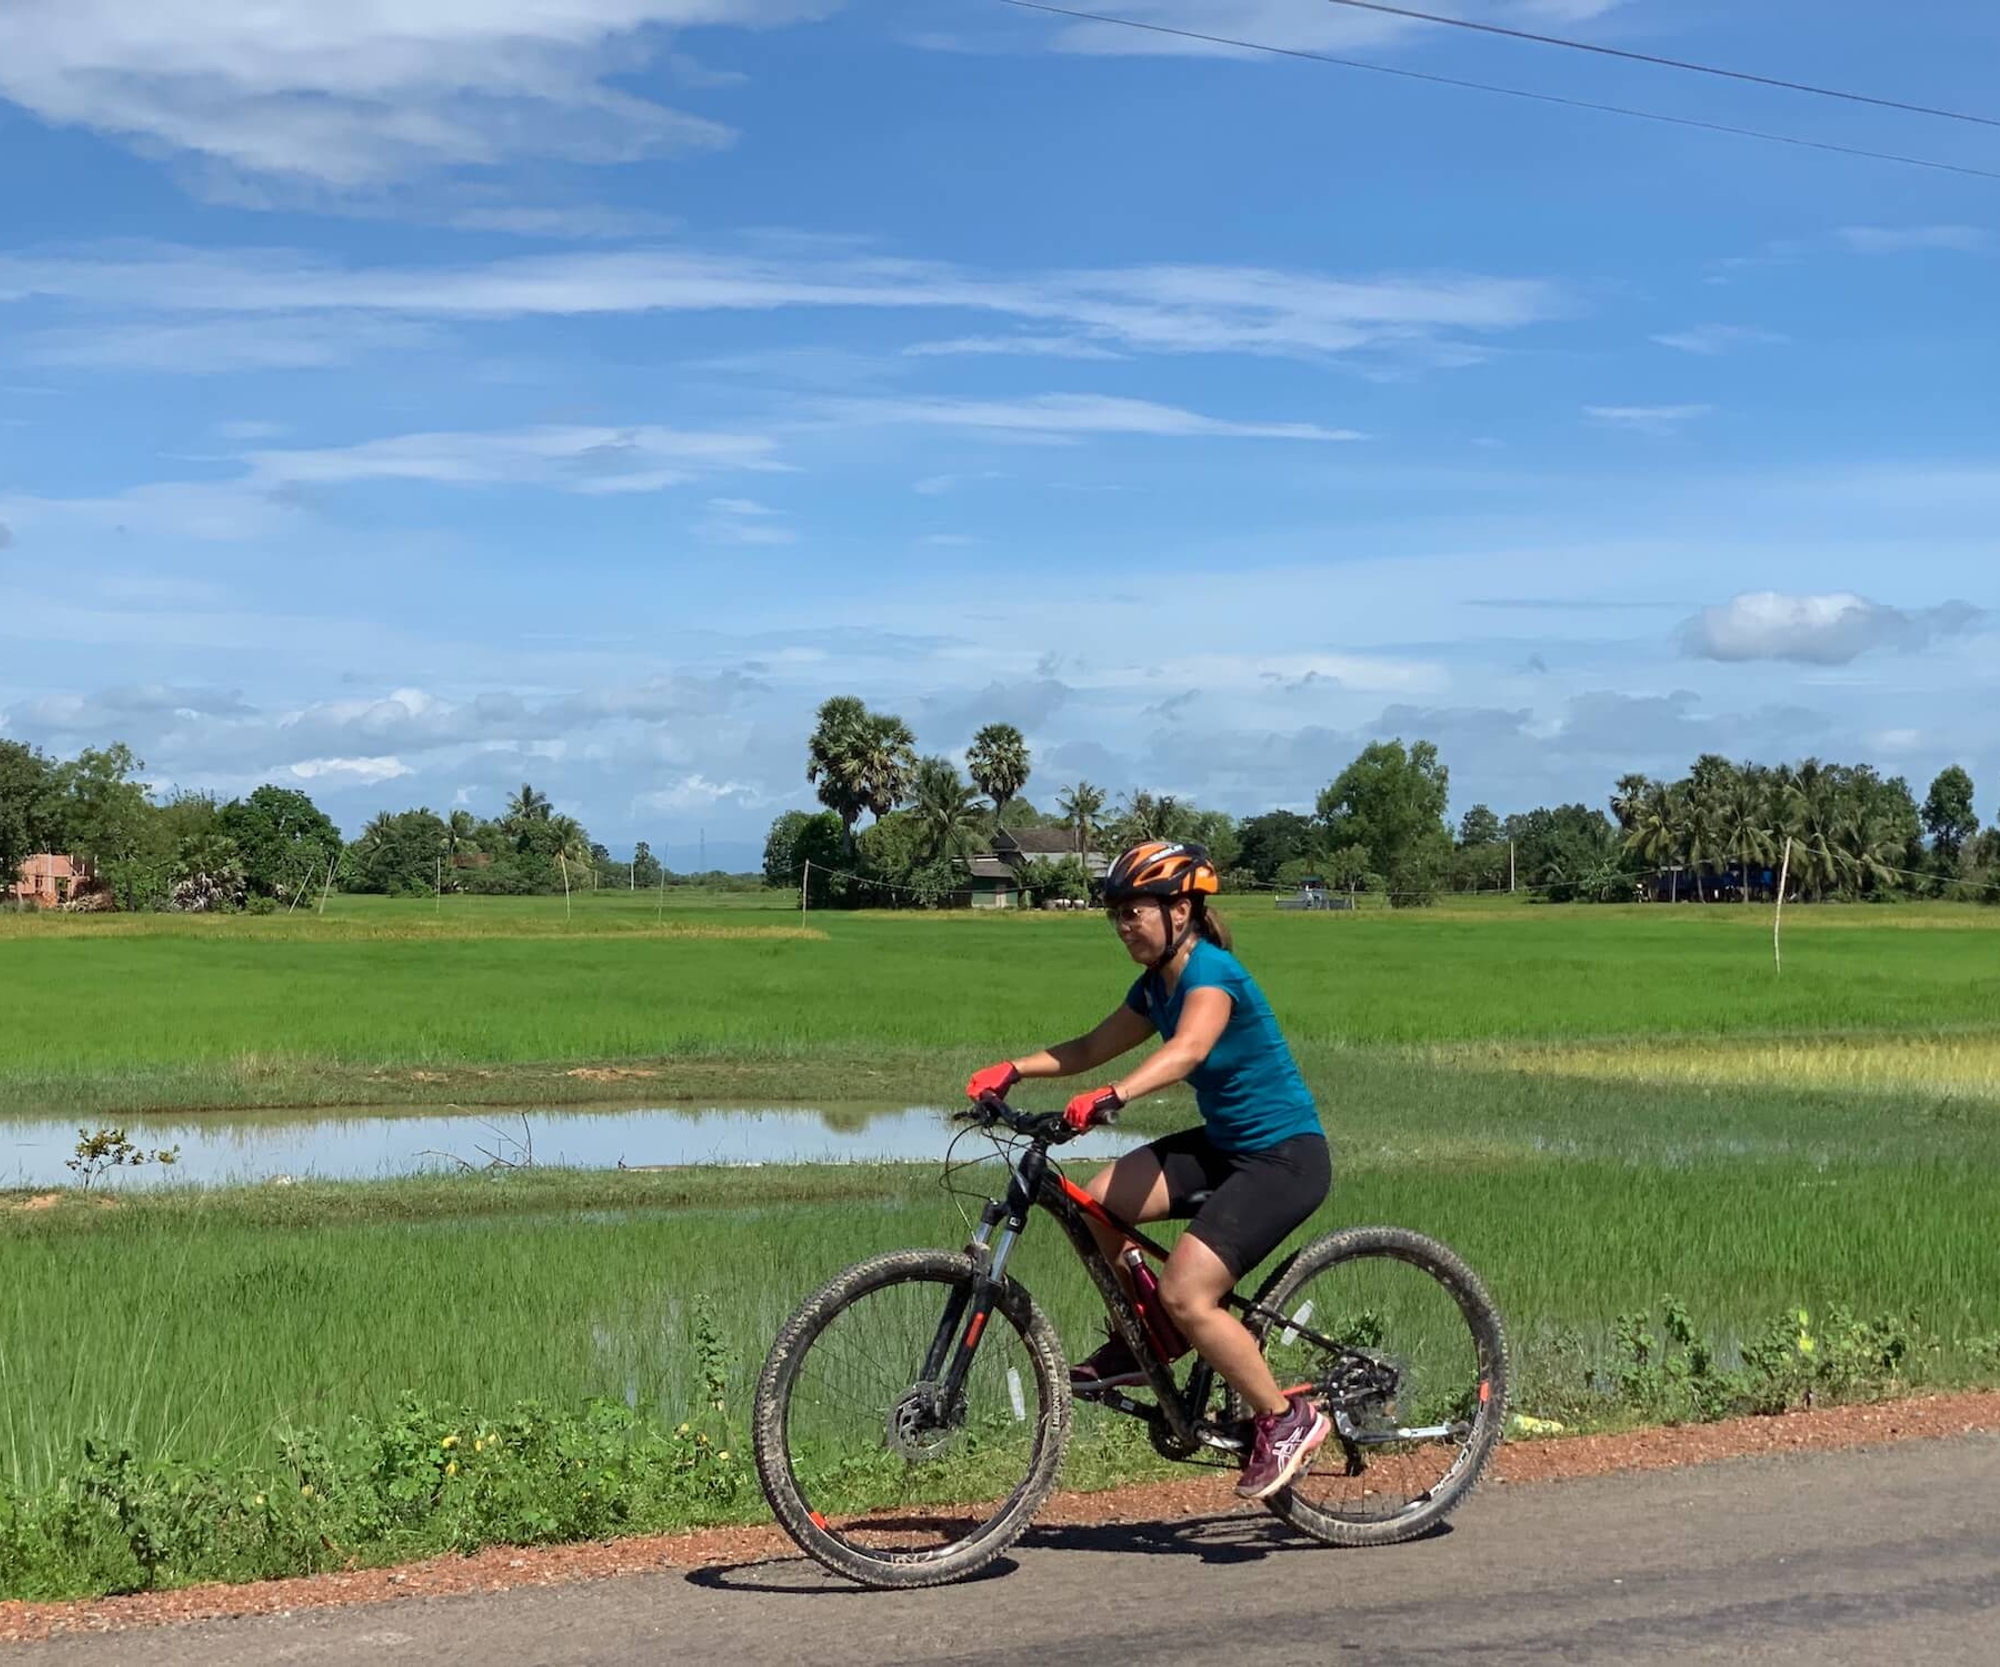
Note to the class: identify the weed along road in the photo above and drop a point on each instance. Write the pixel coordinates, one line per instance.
(1881, 1554)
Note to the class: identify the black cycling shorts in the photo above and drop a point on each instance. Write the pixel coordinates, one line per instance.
(1255, 1198)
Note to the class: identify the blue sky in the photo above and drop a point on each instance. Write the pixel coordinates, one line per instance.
(401, 401)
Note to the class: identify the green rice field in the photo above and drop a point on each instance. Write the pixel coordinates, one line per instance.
(1597, 1107)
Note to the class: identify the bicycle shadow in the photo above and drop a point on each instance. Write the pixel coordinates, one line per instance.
(1218, 1540)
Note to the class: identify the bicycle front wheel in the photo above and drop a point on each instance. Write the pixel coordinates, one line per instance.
(1415, 1381)
(872, 1468)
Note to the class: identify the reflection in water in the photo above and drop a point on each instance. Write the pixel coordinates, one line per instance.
(379, 1141)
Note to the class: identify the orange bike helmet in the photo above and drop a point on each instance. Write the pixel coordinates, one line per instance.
(1162, 868)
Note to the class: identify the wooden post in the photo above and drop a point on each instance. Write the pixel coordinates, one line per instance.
(805, 886)
(1778, 916)
(323, 890)
(564, 862)
(1510, 867)
(438, 909)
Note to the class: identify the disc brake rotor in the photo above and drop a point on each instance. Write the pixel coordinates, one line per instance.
(919, 1428)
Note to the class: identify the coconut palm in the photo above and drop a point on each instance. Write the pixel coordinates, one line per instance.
(949, 815)
(1743, 823)
(998, 761)
(459, 829)
(1659, 826)
(1080, 806)
(523, 808)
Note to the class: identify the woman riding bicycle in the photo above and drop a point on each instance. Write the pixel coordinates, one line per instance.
(1259, 1156)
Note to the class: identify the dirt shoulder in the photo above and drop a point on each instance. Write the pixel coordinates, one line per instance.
(499, 1568)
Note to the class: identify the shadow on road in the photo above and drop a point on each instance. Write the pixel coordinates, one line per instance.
(1232, 1537)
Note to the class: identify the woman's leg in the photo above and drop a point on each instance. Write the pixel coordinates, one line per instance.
(1135, 1190)
(1192, 1289)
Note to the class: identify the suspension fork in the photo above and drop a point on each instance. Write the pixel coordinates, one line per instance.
(973, 1306)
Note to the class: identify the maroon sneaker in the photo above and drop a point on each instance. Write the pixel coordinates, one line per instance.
(1111, 1367)
(1283, 1447)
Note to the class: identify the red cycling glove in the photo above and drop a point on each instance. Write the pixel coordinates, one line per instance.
(994, 1079)
(1100, 1105)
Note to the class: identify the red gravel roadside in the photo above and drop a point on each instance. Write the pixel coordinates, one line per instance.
(499, 1567)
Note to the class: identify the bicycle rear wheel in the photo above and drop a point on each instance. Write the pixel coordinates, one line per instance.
(1417, 1386)
(862, 1460)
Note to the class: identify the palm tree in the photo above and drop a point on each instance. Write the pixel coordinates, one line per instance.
(834, 763)
(1659, 827)
(524, 807)
(947, 810)
(459, 828)
(572, 844)
(860, 760)
(1743, 823)
(998, 761)
(1626, 799)
(1080, 807)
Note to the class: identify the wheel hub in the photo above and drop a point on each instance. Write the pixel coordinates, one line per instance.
(919, 1426)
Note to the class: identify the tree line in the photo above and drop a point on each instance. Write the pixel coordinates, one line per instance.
(274, 846)
(1381, 826)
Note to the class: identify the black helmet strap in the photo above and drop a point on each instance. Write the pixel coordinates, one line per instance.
(1176, 939)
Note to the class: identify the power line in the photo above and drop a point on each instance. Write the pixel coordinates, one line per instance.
(1508, 92)
(1666, 63)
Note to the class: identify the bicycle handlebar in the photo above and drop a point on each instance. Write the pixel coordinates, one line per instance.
(1049, 1127)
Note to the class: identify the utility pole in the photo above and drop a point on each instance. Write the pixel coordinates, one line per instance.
(1510, 867)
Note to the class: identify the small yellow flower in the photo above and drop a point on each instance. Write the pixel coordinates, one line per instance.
(449, 1443)
(479, 1445)
(307, 1490)
(1806, 1344)
(260, 1499)
(724, 1455)
(452, 1468)
(683, 1430)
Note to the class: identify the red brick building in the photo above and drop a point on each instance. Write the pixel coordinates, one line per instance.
(47, 879)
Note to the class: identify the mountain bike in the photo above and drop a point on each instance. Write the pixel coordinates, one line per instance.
(912, 1414)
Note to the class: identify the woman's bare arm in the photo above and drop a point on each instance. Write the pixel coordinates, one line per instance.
(1121, 1031)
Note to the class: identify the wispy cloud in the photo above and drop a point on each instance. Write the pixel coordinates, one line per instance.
(1713, 340)
(1076, 414)
(592, 461)
(1646, 419)
(935, 486)
(218, 346)
(348, 97)
(744, 521)
(1891, 240)
(1824, 630)
(1032, 347)
(1151, 309)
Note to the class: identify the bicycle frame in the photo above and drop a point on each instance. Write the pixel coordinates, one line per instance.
(1036, 1182)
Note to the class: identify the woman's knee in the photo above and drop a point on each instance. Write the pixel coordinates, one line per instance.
(1184, 1298)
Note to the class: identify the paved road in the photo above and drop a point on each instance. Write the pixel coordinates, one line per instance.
(1889, 1555)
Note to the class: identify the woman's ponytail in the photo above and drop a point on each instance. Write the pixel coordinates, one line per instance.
(1213, 927)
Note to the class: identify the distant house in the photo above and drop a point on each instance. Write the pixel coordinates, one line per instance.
(49, 880)
(1003, 875)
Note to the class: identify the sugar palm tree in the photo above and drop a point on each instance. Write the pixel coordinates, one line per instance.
(998, 761)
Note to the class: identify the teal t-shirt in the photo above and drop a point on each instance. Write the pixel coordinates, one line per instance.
(1249, 1088)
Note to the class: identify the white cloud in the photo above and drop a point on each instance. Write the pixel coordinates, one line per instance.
(1155, 309)
(1646, 419)
(743, 521)
(361, 95)
(935, 486)
(580, 222)
(1033, 347)
(215, 346)
(357, 772)
(1827, 630)
(1891, 240)
(1073, 414)
(592, 461)
(1712, 340)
